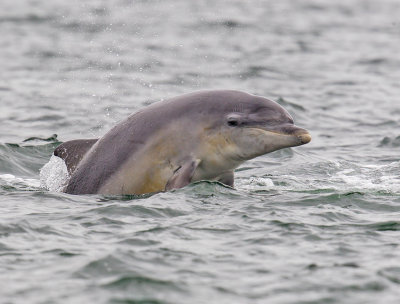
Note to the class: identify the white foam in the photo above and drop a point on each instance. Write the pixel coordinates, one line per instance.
(371, 177)
(54, 175)
(12, 180)
(343, 177)
(257, 184)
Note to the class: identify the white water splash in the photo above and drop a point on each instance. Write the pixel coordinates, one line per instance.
(256, 184)
(12, 180)
(54, 175)
(382, 178)
(338, 176)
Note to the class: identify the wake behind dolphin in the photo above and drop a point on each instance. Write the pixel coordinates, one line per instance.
(199, 136)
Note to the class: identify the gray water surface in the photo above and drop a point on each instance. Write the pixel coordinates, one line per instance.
(313, 224)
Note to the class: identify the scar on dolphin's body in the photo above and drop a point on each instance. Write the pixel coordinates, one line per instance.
(198, 136)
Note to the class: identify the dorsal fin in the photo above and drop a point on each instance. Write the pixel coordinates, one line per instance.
(73, 151)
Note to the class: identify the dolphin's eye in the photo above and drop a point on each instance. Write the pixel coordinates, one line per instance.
(233, 122)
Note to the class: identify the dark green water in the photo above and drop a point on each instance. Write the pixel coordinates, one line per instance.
(313, 224)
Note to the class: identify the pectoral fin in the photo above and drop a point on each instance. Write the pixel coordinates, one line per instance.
(227, 178)
(182, 175)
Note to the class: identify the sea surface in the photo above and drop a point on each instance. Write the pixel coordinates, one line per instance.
(318, 223)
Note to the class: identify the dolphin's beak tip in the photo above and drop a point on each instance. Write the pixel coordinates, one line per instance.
(305, 138)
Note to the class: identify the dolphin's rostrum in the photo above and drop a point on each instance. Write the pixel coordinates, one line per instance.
(199, 136)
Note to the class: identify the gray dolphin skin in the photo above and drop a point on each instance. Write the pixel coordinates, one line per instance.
(198, 136)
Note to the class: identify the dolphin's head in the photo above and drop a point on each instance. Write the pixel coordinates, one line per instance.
(250, 126)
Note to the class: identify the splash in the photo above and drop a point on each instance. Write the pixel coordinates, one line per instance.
(380, 178)
(331, 176)
(256, 184)
(18, 182)
(54, 175)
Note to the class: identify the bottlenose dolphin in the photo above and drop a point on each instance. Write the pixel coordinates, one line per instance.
(198, 136)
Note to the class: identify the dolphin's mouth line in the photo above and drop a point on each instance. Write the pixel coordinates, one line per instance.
(272, 131)
(303, 137)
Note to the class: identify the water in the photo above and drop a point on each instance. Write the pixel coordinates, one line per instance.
(313, 224)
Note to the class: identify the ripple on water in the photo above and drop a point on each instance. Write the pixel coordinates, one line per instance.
(390, 142)
(125, 276)
(391, 273)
